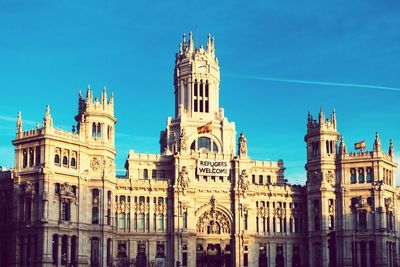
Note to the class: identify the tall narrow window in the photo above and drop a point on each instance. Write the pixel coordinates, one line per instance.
(185, 217)
(73, 162)
(55, 249)
(65, 161)
(121, 224)
(74, 250)
(64, 249)
(201, 105)
(65, 210)
(353, 175)
(145, 174)
(24, 158)
(141, 221)
(31, 157)
(95, 215)
(94, 132)
(109, 255)
(361, 175)
(260, 179)
(369, 175)
(153, 174)
(206, 90)
(94, 251)
(99, 130)
(37, 161)
(108, 216)
(161, 222)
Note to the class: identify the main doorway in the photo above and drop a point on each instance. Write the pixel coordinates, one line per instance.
(213, 255)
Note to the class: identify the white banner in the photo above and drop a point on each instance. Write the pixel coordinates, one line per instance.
(208, 167)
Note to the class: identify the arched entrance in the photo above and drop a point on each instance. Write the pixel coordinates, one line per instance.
(213, 244)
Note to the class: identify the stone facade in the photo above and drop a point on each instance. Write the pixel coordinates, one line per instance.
(202, 201)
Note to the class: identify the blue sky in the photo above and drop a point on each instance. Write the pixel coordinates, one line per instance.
(49, 50)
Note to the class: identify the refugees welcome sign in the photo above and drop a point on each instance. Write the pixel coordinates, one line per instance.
(208, 167)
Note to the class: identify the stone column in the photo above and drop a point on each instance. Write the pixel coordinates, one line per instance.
(59, 243)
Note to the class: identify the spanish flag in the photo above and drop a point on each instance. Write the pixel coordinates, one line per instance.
(206, 128)
(360, 145)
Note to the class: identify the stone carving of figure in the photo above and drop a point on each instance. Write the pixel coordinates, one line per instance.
(242, 144)
(66, 189)
(213, 203)
(183, 140)
(95, 164)
(183, 179)
(243, 181)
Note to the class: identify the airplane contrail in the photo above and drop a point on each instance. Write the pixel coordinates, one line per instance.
(274, 79)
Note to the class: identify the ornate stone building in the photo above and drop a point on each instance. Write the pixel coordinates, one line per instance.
(202, 201)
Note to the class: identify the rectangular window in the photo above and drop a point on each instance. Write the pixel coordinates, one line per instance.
(361, 178)
(201, 105)
(369, 175)
(65, 211)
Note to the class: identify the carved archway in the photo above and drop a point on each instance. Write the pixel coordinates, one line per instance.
(213, 222)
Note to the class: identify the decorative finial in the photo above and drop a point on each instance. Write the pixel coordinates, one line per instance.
(19, 122)
(377, 143)
(47, 121)
(391, 148)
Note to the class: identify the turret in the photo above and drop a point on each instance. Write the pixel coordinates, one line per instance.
(196, 80)
(95, 119)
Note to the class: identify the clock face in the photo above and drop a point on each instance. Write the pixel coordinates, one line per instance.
(202, 68)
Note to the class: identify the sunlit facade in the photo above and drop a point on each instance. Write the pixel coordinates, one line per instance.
(202, 201)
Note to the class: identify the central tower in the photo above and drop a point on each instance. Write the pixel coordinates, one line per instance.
(196, 79)
(199, 123)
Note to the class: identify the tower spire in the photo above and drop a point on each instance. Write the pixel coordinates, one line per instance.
(19, 122)
(391, 148)
(88, 95)
(104, 97)
(47, 121)
(342, 146)
(377, 143)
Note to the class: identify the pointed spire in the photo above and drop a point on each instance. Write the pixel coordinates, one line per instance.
(391, 148)
(184, 40)
(209, 42)
(19, 122)
(342, 146)
(111, 102)
(180, 49)
(191, 44)
(104, 97)
(377, 143)
(334, 118)
(321, 116)
(309, 117)
(47, 121)
(89, 95)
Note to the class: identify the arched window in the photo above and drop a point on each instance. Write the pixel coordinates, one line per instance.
(31, 157)
(145, 174)
(141, 199)
(99, 130)
(64, 250)
(73, 162)
(55, 249)
(65, 161)
(24, 158)
(94, 132)
(193, 145)
(56, 159)
(204, 144)
(195, 98)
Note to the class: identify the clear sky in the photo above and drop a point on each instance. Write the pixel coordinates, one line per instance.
(278, 60)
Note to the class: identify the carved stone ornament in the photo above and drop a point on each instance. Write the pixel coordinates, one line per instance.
(243, 180)
(183, 140)
(329, 177)
(28, 188)
(279, 212)
(66, 189)
(242, 144)
(183, 178)
(213, 203)
(95, 164)
(389, 203)
(213, 222)
(331, 208)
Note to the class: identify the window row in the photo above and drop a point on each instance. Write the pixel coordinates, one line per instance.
(155, 174)
(387, 177)
(31, 157)
(279, 225)
(97, 130)
(262, 180)
(278, 204)
(65, 157)
(60, 247)
(213, 178)
(201, 96)
(140, 199)
(141, 222)
(361, 175)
